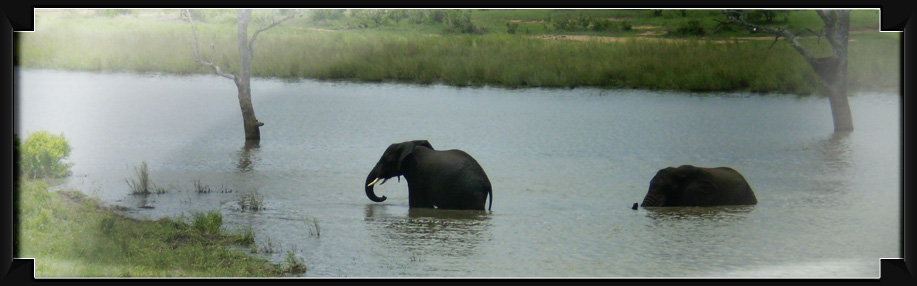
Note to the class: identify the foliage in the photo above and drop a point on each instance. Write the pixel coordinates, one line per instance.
(582, 22)
(691, 28)
(327, 14)
(43, 154)
(451, 20)
(767, 16)
(459, 21)
(511, 27)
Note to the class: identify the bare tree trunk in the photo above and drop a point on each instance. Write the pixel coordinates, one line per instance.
(831, 70)
(834, 73)
(243, 81)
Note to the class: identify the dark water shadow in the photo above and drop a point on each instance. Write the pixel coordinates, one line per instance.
(448, 214)
(424, 232)
(246, 154)
(715, 214)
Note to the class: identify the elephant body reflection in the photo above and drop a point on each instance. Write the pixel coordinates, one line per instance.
(424, 232)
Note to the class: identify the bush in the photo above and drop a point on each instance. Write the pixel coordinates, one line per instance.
(43, 156)
(327, 14)
(459, 21)
(511, 27)
(691, 28)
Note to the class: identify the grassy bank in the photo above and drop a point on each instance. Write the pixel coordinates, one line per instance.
(71, 235)
(356, 49)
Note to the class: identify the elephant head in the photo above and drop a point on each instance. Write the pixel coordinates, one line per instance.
(695, 186)
(443, 179)
(390, 165)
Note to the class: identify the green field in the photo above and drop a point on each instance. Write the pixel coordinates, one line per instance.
(609, 48)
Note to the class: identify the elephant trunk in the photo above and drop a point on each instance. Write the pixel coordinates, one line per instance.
(653, 199)
(371, 180)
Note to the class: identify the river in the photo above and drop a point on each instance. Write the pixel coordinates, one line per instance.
(565, 164)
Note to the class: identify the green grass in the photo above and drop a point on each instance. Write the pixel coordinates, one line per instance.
(425, 53)
(70, 235)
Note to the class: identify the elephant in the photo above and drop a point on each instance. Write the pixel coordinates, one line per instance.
(448, 179)
(688, 185)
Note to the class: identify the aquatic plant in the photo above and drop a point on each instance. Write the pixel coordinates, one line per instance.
(251, 201)
(143, 184)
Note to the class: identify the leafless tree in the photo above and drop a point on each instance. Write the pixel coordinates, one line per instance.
(242, 78)
(831, 70)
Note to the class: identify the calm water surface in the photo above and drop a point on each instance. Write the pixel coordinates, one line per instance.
(565, 164)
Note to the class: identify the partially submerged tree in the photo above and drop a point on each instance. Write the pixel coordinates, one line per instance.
(831, 70)
(242, 78)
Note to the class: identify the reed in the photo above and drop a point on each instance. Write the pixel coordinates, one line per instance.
(251, 201)
(142, 185)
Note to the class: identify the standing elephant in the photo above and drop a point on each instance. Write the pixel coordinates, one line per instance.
(695, 186)
(449, 179)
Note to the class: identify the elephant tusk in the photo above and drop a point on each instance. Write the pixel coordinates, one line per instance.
(373, 182)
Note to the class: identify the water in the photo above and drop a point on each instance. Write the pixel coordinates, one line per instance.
(565, 164)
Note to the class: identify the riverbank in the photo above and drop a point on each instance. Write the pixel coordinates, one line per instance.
(528, 57)
(72, 235)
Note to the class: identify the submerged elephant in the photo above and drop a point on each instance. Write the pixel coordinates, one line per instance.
(695, 186)
(449, 179)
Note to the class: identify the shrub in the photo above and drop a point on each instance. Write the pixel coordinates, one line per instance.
(459, 21)
(43, 156)
(511, 27)
(691, 28)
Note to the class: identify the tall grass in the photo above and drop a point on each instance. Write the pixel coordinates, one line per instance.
(495, 58)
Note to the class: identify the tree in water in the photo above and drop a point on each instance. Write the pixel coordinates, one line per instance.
(831, 70)
(242, 78)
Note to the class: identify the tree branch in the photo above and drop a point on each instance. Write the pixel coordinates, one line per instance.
(197, 54)
(832, 30)
(735, 17)
(273, 23)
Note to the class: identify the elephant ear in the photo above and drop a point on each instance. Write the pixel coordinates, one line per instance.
(404, 150)
(424, 143)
